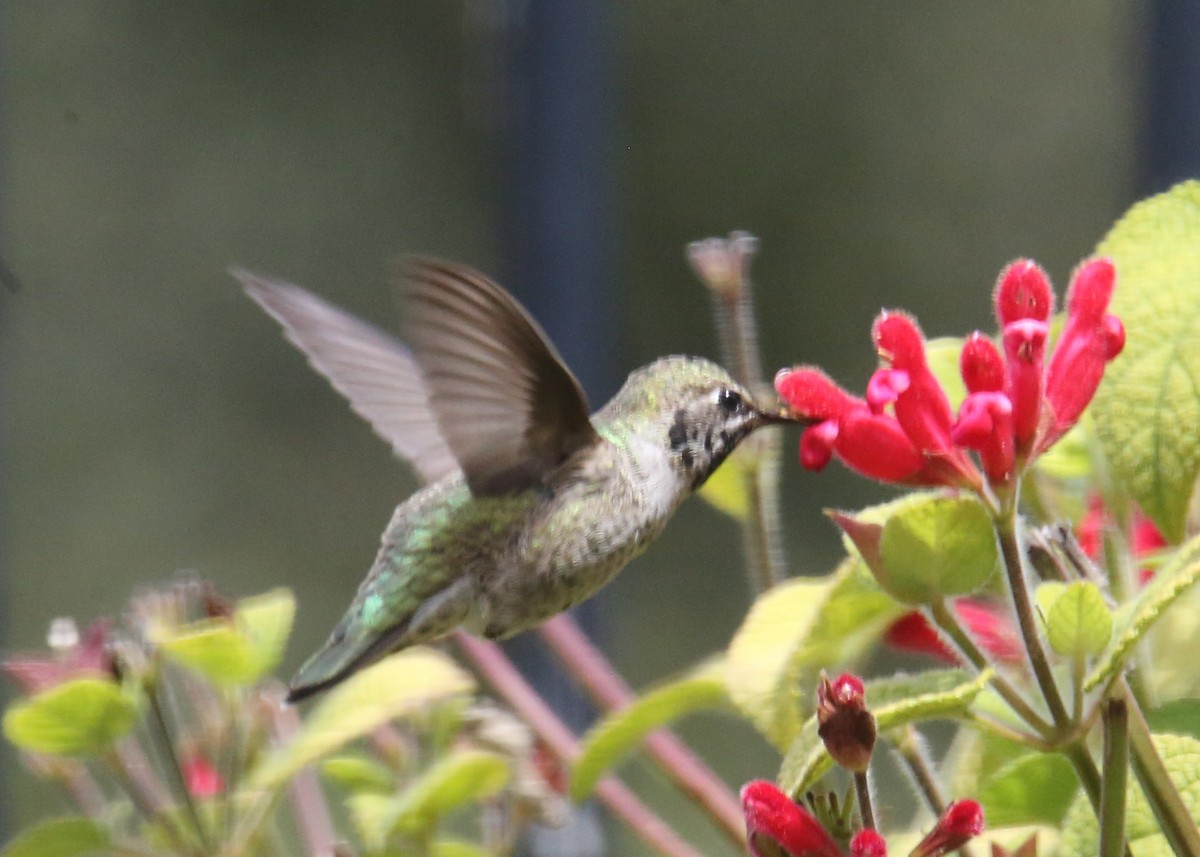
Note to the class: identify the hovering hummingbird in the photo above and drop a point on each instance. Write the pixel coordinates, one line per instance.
(531, 506)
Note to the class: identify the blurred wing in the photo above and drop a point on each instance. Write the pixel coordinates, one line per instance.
(372, 370)
(508, 406)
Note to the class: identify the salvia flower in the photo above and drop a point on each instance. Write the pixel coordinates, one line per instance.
(868, 843)
(774, 821)
(72, 656)
(961, 822)
(1020, 398)
(844, 723)
(992, 629)
(1144, 537)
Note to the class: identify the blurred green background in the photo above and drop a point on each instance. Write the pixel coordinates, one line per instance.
(155, 420)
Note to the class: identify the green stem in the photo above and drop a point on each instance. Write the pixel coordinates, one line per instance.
(166, 740)
(144, 803)
(1085, 768)
(1113, 782)
(866, 811)
(1018, 584)
(948, 622)
(1173, 817)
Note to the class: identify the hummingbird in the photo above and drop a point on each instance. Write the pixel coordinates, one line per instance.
(530, 504)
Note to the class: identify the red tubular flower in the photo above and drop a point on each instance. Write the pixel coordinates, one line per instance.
(1025, 351)
(1023, 291)
(992, 629)
(985, 424)
(961, 822)
(86, 656)
(922, 407)
(868, 843)
(1090, 339)
(774, 817)
(201, 777)
(844, 723)
(1144, 536)
(981, 365)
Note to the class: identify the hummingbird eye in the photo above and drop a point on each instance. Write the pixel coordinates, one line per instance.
(729, 400)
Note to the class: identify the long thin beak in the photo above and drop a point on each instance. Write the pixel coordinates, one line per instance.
(781, 415)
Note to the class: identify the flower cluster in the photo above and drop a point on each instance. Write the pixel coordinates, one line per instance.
(1018, 403)
(777, 825)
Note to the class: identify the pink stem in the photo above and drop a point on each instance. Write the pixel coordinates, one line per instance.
(498, 670)
(608, 689)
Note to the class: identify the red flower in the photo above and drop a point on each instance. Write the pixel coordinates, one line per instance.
(78, 657)
(1144, 538)
(991, 629)
(201, 777)
(868, 843)
(1017, 407)
(961, 822)
(844, 723)
(773, 817)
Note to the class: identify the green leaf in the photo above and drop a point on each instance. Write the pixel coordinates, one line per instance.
(459, 848)
(359, 773)
(895, 702)
(1148, 407)
(939, 547)
(456, 779)
(1036, 788)
(80, 717)
(60, 837)
(1079, 623)
(1136, 618)
(942, 354)
(791, 631)
(614, 736)
(372, 816)
(238, 650)
(1181, 755)
(398, 684)
(1178, 717)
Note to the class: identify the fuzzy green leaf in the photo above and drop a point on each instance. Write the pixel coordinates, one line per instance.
(1181, 755)
(940, 547)
(398, 684)
(614, 736)
(359, 773)
(1177, 717)
(80, 717)
(456, 779)
(372, 816)
(238, 650)
(1079, 623)
(1036, 788)
(1148, 407)
(60, 837)
(793, 630)
(895, 702)
(1136, 618)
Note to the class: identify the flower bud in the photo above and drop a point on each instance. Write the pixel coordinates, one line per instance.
(1023, 291)
(961, 822)
(868, 843)
(844, 723)
(774, 819)
(981, 365)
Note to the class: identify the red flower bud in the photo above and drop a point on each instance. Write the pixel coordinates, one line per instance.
(811, 393)
(1090, 338)
(992, 629)
(981, 365)
(817, 444)
(985, 423)
(201, 777)
(1023, 291)
(844, 723)
(1025, 349)
(868, 843)
(774, 817)
(961, 822)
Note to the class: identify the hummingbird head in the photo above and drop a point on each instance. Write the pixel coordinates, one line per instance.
(694, 409)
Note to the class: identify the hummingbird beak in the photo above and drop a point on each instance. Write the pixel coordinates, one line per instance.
(776, 416)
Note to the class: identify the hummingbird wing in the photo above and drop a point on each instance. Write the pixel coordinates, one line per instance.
(374, 371)
(508, 406)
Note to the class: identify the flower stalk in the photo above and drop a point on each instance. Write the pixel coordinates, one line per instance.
(1113, 778)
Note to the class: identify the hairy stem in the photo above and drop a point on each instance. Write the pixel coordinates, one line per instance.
(1163, 796)
(1115, 774)
(948, 622)
(866, 809)
(1018, 584)
(507, 681)
(588, 666)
